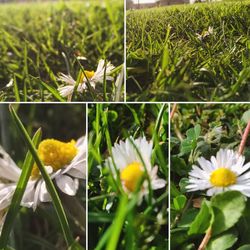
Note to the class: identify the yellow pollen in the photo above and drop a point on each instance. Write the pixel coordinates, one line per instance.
(54, 153)
(131, 175)
(89, 75)
(222, 177)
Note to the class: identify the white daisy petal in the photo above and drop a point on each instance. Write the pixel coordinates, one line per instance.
(67, 185)
(158, 184)
(8, 168)
(44, 195)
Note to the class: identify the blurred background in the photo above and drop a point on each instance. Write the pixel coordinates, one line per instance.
(139, 4)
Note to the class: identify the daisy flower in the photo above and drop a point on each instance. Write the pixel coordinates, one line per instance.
(64, 162)
(205, 33)
(224, 172)
(92, 76)
(130, 165)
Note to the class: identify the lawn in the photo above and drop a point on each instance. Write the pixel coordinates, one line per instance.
(41, 41)
(196, 52)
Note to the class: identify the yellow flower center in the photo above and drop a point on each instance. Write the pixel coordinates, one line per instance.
(131, 175)
(54, 153)
(89, 75)
(222, 177)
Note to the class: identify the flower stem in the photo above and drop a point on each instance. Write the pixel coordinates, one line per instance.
(244, 138)
(205, 239)
(173, 111)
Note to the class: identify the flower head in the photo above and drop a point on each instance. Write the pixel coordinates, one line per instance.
(93, 77)
(131, 166)
(64, 162)
(224, 172)
(205, 33)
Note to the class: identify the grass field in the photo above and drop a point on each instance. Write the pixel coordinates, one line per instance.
(194, 52)
(39, 41)
(118, 216)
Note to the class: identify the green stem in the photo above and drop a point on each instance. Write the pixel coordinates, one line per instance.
(51, 188)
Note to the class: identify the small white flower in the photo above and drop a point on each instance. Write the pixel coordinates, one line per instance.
(10, 83)
(130, 165)
(93, 77)
(205, 33)
(224, 172)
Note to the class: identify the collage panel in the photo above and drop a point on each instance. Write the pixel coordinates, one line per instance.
(181, 50)
(127, 176)
(209, 172)
(58, 51)
(43, 176)
(151, 153)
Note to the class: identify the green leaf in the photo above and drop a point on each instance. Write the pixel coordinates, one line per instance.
(245, 247)
(202, 220)
(183, 183)
(174, 190)
(179, 202)
(178, 165)
(187, 146)
(246, 116)
(194, 133)
(18, 194)
(53, 91)
(222, 242)
(228, 208)
(187, 218)
(190, 143)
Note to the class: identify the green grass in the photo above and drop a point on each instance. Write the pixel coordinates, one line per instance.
(115, 219)
(167, 62)
(40, 40)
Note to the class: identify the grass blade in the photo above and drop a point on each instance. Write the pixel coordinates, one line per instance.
(118, 223)
(51, 188)
(18, 194)
(53, 91)
(16, 91)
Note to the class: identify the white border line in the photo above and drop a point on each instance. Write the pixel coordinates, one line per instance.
(86, 171)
